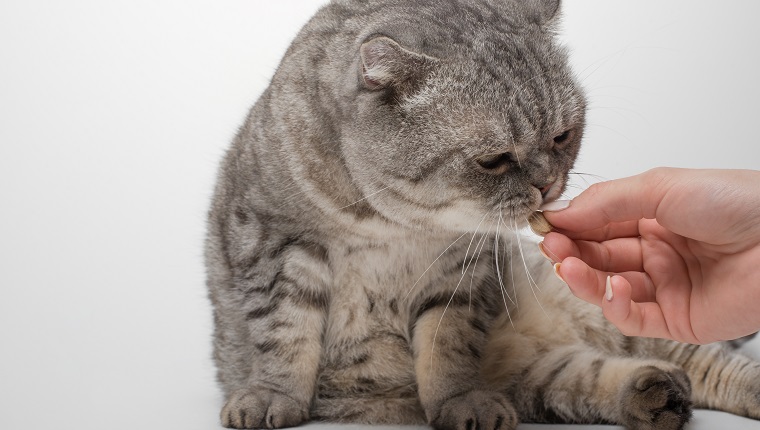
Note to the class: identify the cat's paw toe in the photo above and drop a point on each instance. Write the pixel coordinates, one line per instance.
(482, 410)
(262, 409)
(657, 399)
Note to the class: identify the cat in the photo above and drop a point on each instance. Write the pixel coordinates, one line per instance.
(363, 255)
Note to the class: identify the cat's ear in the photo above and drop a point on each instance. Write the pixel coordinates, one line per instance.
(543, 12)
(385, 64)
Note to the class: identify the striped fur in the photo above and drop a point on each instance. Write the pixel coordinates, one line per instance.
(569, 365)
(357, 252)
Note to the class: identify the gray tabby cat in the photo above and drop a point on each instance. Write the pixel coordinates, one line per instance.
(360, 250)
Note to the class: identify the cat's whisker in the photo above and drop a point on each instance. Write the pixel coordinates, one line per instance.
(496, 249)
(513, 232)
(598, 63)
(551, 254)
(365, 198)
(503, 290)
(482, 244)
(496, 255)
(583, 175)
(531, 282)
(504, 296)
(511, 263)
(431, 265)
(451, 299)
(471, 240)
(501, 281)
(573, 183)
(295, 196)
(575, 187)
(517, 154)
(620, 111)
(601, 62)
(611, 130)
(519, 244)
(512, 222)
(467, 262)
(466, 266)
(522, 88)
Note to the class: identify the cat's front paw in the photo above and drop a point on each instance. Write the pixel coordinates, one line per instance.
(262, 409)
(482, 410)
(657, 399)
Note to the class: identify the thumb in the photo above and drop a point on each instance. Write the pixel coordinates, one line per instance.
(619, 200)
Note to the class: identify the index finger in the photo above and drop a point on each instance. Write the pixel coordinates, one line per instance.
(616, 201)
(617, 255)
(607, 232)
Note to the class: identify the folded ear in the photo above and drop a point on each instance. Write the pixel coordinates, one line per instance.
(385, 64)
(543, 12)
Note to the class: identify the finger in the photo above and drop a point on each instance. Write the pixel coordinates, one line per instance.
(606, 232)
(630, 317)
(582, 280)
(627, 199)
(589, 284)
(556, 247)
(618, 255)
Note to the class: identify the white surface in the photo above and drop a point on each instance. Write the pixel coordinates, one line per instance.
(113, 116)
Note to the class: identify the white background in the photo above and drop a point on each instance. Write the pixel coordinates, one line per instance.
(113, 117)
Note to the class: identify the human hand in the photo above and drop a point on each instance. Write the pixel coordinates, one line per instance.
(670, 253)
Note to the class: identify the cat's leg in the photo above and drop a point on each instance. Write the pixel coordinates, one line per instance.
(448, 338)
(284, 320)
(721, 378)
(578, 384)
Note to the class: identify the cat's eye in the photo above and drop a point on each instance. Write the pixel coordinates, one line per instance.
(563, 138)
(495, 163)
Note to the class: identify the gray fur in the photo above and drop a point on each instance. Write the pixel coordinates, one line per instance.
(356, 251)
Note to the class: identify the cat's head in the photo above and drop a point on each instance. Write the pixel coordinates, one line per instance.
(489, 130)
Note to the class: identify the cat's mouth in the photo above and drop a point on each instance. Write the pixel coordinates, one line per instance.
(551, 191)
(515, 211)
(522, 205)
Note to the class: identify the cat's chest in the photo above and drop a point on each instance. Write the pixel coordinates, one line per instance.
(375, 286)
(387, 270)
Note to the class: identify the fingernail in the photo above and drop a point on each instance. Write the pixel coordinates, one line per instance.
(543, 252)
(556, 271)
(608, 295)
(556, 206)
